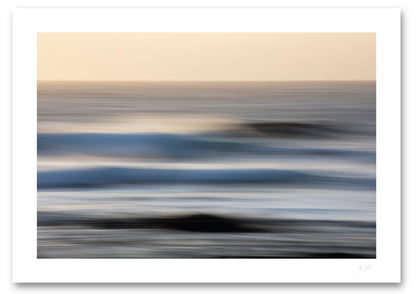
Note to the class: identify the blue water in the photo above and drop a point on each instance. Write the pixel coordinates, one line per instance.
(206, 170)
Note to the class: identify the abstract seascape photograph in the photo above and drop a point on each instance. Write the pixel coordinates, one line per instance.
(206, 145)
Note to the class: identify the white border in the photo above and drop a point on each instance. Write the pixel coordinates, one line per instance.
(27, 22)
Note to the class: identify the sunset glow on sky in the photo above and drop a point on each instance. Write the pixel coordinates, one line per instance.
(206, 56)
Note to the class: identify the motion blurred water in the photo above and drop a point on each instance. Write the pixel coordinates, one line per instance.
(206, 170)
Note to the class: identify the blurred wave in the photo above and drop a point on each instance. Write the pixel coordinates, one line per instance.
(178, 236)
(206, 170)
(145, 145)
(201, 222)
(299, 128)
(104, 177)
(172, 146)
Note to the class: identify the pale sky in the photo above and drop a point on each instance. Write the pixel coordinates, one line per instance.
(206, 56)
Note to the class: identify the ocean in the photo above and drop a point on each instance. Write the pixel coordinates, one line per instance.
(206, 169)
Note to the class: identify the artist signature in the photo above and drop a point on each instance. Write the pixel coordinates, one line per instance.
(363, 268)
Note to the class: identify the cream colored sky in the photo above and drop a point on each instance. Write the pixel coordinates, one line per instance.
(206, 56)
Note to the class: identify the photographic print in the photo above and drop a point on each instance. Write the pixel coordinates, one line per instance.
(206, 145)
(155, 145)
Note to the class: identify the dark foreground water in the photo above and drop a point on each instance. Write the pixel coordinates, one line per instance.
(207, 170)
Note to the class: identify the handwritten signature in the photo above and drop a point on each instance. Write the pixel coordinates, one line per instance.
(363, 268)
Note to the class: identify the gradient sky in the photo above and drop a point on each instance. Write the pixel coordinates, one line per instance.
(206, 56)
